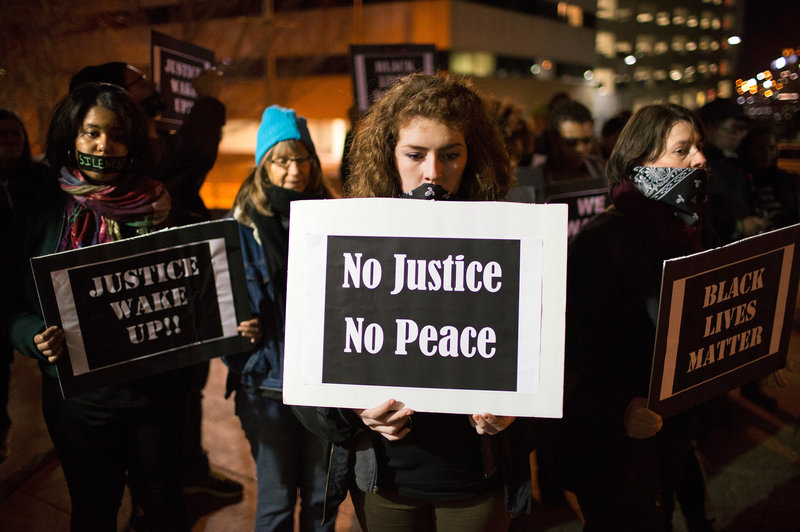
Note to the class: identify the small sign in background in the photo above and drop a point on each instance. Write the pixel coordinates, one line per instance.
(175, 64)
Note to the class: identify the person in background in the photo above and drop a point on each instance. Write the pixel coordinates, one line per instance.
(774, 191)
(22, 185)
(623, 461)
(518, 138)
(289, 459)
(773, 201)
(182, 161)
(130, 431)
(610, 132)
(574, 153)
(429, 136)
(729, 187)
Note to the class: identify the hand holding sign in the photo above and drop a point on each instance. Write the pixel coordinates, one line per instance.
(251, 329)
(640, 421)
(390, 419)
(489, 423)
(50, 342)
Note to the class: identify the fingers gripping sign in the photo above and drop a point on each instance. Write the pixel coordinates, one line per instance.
(489, 423)
(50, 343)
(391, 419)
(251, 329)
(640, 421)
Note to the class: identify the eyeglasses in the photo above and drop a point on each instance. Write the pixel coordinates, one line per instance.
(572, 142)
(286, 162)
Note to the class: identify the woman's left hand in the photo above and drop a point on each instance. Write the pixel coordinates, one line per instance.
(489, 423)
(251, 329)
(780, 378)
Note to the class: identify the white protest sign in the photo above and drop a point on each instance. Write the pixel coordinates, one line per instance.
(446, 306)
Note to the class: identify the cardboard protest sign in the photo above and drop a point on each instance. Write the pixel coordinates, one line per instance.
(446, 306)
(584, 197)
(145, 305)
(174, 65)
(725, 319)
(377, 67)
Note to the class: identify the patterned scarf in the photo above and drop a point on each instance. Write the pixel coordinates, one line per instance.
(674, 236)
(429, 191)
(98, 212)
(683, 189)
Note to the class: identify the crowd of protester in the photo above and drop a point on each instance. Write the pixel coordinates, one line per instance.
(428, 137)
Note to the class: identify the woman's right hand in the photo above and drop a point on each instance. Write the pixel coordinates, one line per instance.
(640, 421)
(391, 419)
(50, 343)
(251, 329)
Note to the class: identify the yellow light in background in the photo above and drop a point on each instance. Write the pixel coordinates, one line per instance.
(768, 93)
(547, 64)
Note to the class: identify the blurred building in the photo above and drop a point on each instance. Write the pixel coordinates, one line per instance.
(683, 51)
(296, 53)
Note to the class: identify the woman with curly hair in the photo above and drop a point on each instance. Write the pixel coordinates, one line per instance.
(428, 137)
(424, 100)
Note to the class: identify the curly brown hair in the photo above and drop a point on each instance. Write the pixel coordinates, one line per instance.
(441, 97)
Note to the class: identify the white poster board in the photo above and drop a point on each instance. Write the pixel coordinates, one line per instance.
(453, 307)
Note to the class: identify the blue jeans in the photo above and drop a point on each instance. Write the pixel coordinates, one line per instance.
(288, 458)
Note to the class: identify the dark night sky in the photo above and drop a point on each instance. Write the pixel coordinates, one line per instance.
(769, 27)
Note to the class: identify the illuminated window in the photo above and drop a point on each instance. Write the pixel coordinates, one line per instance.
(571, 13)
(606, 9)
(678, 43)
(643, 74)
(605, 44)
(662, 18)
(624, 47)
(679, 16)
(691, 21)
(644, 44)
(661, 47)
(715, 23)
(705, 43)
(473, 63)
(691, 46)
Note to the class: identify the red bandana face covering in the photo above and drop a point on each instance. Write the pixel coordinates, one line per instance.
(683, 189)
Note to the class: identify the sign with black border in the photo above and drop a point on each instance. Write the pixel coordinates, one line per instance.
(175, 64)
(725, 319)
(376, 67)
(450, 306)
(585, 198)
(145, 305)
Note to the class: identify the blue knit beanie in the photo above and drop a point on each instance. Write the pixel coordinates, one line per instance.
(279, 124)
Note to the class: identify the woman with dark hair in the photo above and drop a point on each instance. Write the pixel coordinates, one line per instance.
(96, 147)
(428, 137)
(21, 185)
(288, 457)
(622, 460)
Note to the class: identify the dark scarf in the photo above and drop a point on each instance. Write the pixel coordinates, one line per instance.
(429, 191)
(97, 212)
(659, 218)
(273, 234)
(685, 190)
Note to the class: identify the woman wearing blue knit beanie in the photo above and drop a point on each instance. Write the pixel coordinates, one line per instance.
(288, 458)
